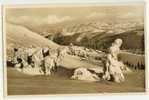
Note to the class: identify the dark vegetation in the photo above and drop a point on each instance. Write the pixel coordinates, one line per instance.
(133, 41)
(132, 60)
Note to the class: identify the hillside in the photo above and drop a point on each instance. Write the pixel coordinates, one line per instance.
(21, 36)
(132, 40)
(18, 36)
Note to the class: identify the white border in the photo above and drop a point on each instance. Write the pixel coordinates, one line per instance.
(66, 1)
(95, 95)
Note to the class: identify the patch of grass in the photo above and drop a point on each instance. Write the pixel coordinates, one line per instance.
(21, 84)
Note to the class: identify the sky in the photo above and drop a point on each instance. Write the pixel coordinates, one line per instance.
(57, 14)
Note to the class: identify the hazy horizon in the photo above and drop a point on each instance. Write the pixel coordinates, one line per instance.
(52, 15)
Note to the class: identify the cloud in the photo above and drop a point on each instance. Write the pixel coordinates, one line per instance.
(95, 14)
(34, 20)
(131, 15)
(52, 19)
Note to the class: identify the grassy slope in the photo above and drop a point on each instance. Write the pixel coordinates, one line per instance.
(20, 35)
(20, 84)
(71, 62)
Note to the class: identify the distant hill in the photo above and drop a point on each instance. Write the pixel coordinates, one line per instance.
(17, 36)
(20, 35)
(132, 40)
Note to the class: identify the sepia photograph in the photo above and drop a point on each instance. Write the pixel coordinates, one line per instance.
(61, 49)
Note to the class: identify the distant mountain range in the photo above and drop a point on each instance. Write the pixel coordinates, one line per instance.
(101, 35)
(96, 34)
(132, 40)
